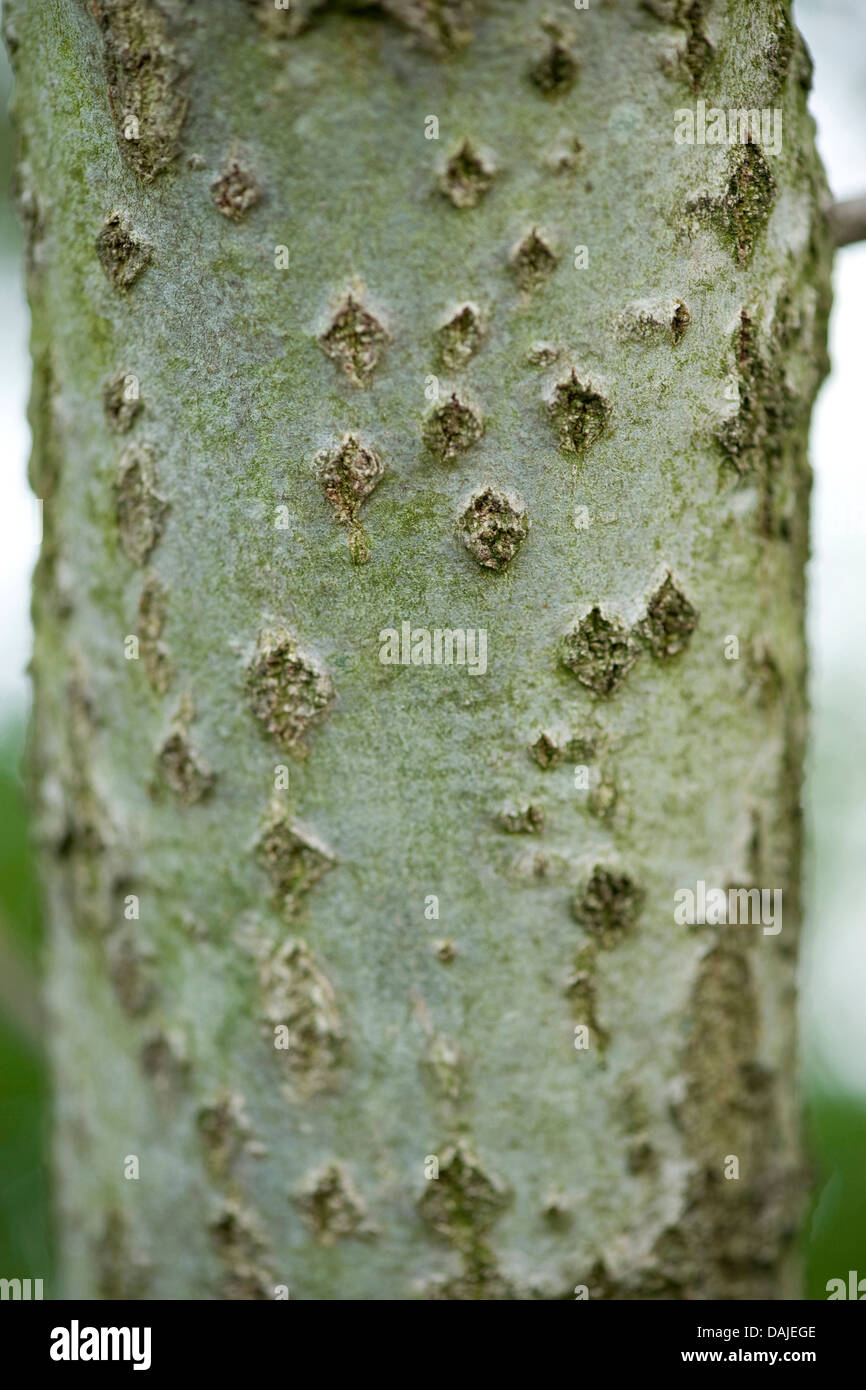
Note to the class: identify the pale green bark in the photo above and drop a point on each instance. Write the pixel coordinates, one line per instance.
(306, 1168)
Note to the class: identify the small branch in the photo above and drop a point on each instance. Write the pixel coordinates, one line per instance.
(848, 221)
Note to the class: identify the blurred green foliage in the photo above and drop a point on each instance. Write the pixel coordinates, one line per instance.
(24, 1197)
(837, 1237)
(25, 1248)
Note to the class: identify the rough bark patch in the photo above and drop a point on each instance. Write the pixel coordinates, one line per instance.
(183, 769)
(140, 508)
(552, 748)
(461, 337)
(608, 905)
(743, 212)
(122, 254)
(242, 1249)
(580, 411)
(697, 52)
(441, 26)
(555, 70)
(349, 474)
(670, 621)
(332, 1205)
(465, 1199)
(152, 606)
(451, 428)
(287, 689)
(130, 973)
(300, 1001)
(467, 176)
(293, 858)
(145, 77)
(121, 401)
(647, 320)
(527, 820)
(581, 992)
(355, 340)
(122, 1272)
(493, 525)
(224, 1130)
(532, 261)
(235, 190)
(600, 651)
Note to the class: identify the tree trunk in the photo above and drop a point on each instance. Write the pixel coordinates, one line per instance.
(421, 425)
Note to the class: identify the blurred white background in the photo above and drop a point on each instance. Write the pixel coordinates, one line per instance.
(834, 963)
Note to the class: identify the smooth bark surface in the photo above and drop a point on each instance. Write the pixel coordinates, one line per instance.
(324, 928)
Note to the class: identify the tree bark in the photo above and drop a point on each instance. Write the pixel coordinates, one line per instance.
(365, 978)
